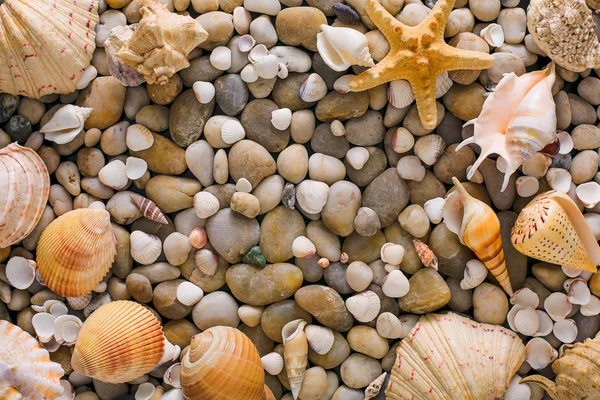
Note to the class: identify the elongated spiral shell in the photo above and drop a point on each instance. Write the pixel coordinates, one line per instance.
(149, 209)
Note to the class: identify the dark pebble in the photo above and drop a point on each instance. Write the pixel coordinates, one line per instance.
(346, 14)
(8, 106)
(18, 128)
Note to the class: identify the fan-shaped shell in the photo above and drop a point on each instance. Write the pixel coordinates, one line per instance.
(145, 248)
(454, 358)
(25, 366)
(45, 45)
(76, 251)
(221, 364)
(312, 195)
(342, 47)
(25, 185)
(320, 338)
(551, 228)
(120, 341)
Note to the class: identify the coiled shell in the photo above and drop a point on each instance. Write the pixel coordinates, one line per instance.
(148, 208)
(295, 353)
(426, 255)
(66, 123)
(343, 47)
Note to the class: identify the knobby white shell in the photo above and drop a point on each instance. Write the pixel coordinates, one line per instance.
(204, 91)
(138, 138)
(281, 118)
(145, 248)
(342, 47)
(66, 123)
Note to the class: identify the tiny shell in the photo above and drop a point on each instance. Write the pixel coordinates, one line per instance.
(527, 186)
(592, 308)
(395, 284)
(475, 274)
(375, 387)
(204, 91)
(66, 123)
(539, 354)
(148, 208)
(410, 168)
(526, 321)
(426, 255)
(342, 47)
(303, 247)
(189, 294)
(357, 157)
(20, 272)
(139, 138)
(557, 306)
(172, 375)
(493, 35)
(198, 238)
(79, 303)
(220, 58)
(281, 118)
(392, 253)
(245, 43)
(364, 306)
(577, 290)
(342, 84)
(205, 204)
(248, 74)
(207, 261)
(266, 67)
(272, 363)
(566, 142)
(135, 168)
(66, 329)
(114, 175)
(400, 94)
(43, 324)
(433, 209)
(525, 297)
(312, 195)
(313, 89)
(257, 53)
(282, 71)
(589, 194)
(565, 330)
(559, 179)
(145, 248)
(295, 353)
(232, 131)
(320, 338)
(250, 315)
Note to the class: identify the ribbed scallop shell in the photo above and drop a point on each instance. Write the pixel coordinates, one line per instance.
(551, 228)
(25, 185)
(26, 367)
(45, 45)
(312, 196)
(364, 306)
(454, 358)
(320, 338)
(222, 364)
(120, 341)
(76, 251)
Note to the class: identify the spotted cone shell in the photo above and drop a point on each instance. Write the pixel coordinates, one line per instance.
(25, 185)
(437, 360)
(76, 251)
(120, 341)
(26, 371)
(221, 364)
(45, 45)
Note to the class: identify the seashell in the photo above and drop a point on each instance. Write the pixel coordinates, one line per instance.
(205, 204)
(207, 261)
(312, 196)
(443, 83)
(20, 272)
(589, 194)
(232, 131)
(272, 363)
(302, 247)
(527, 186)
(145, 391)
(25, 184)
(577, 290)
(189, 294)
(282, 71)
(323, 262)
(243, 185)
(161, 42)
(248, 74)
(66, 329)
(43, 324)
(281, 118)
(517, 120)
(475, 274)
(565, 142)
(357, 157)
(79, 303)
(559, 179)
(525, 297)
(565, 330)
(342, 84)
(392, 253)
(114, 175)
(76, 251)
(246, 43)
(250, 315)
(478, 228)
(148, 208)
(145, 248)
(198, 238)
(364, 306)
(257, 53)
(410, 168)
(526, 321)
(295, 353)
(25, 367)
(493, 35)
(53, 41)
(433, 209)
(135, 168)
(375, 387)
(220, 58)
(592, 308)
(120, 341)
(204, 91)
(172, 375)
(557, 306)
(222, 363)
(400, 94)
(66, 123)
(426, 255)
(426, 363)
(313, 89)
(337, 128)
(429, 148)
(395, 284)
(342, 47)
(551, 228)
(539, 353)
(389, 326)
(138, 138)
(571, 272)
(320, 338)
(266, 67)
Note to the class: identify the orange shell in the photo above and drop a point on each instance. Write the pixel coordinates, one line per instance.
(119, 342)
(25, 185)
(223, 364)
(76, 251)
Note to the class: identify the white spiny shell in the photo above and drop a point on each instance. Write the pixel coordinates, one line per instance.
(272, 363)
(281, 118)
(246, 43)
(342, 84)
(395, 284)
(433, 209)
(559, 179)
(312, 195)
(220, 58)
(145, 248)
(189, 294)
(232, 131)
(43, 324)
(400, 94)
(320, 338)
(20, 272)
(557, 306)
(204, 91)
(357, 157)
(392, 253)
(135, 167)
(475, 274)
(364, 306)
(303, 247)
(139, 137)
(79, 303)
(66, 123)
(313, 89)
(493, 35)
(205, 204)
(114, 175)
(266, 67)
(565, 330)
(342, 47)
(66, 329)
(389, 326)
(589, 194)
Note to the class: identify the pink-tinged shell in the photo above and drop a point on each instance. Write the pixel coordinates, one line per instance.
(426, 255)
(45, 45)
(517, 120)
(25, 185)
(25, 366)
(148, 208)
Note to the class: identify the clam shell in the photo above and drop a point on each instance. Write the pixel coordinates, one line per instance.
(357, 157)
(303, 247)
(145, 248)
(25, 184)
(220, 58)
(207, 261)
(119, 342)
(76, 251)
(135, 168)
(246, 43)
(205, 204)
(295, 353)
(66, 329)
(395, 284)
(65, 124)
(400, 94)
(320, 338)
(204, 91)
(232, 131)
(79, 303)
(313, 89)
(312, 195)
(266, 67)
(189, 294)
(198, 238)
(539, 353)
(281, 118)
(589, 194)
(342, 47)
(43, 324)
(559, 179)
(20, 272)
(248, 74)
(272, 363)
(392, 253)
(364, 306)
(148, 208)
(114, 175)
(138, 137)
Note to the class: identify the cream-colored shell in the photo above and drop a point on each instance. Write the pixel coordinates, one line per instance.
(320, 338)
(295, 353)
(343, 47)
(66, 123)
(145, 248)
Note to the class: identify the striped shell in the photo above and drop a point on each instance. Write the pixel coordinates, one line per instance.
(120, 341)
(76, 251)
(148, 208)
(45, 45)
(25, 185)
(25, 367)
(426, 255)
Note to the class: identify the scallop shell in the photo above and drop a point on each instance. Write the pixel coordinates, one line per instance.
(312, 195)
(76, 251)
(53, 41)
(148, 208)
(66, 123)
(139, 138)
(25, 185)
(205, 204)
(395, 284)
(221, 364)
(266, 67)
(281, 118)
(517, 120)
(79, 303)
(400, 93)
(161, 43)
(551, 228)
(364, 306)
(357, 157)
(320, 338)
(272, 363)
(189, 294)
(478, 228)
(145, 248)
(207, 261)
(313, 89)
(295, 353)
(120, 341)
(198, 238)
(426, 255)
(25, 367)
(454, 358)
(232, 131)
(342, 47)
(204, 91)
(303, 247)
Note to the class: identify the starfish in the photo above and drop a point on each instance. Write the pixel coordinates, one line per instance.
(417, 54)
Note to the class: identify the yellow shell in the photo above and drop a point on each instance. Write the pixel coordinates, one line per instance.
(449, 357)
(25, 185)
(45, 45)
(221, 364)
(25, 367)
(551, 228)
(76, 251)
(119, 342)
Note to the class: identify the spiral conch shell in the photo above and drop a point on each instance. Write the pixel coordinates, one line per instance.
(478, 228)
(76, 251)
(161, 43)
(26, 371)
(342, 47)
(45, 45)
(517, 120)
(66, 123)
(221, 364)
(295, 353)
(454, 358)
(551, 228)
(577, 373)
(25, 185)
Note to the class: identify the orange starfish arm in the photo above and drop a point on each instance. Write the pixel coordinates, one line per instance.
(455, 59)
(423, 85)
(386, 70)
(385, 22)
(438, 17)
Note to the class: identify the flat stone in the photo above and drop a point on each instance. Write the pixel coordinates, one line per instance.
(106, 96)
(342, 106)
(187, 118)
(278, 230)
(326, 305)
(275, 316)
(232, 234)
(377, 196)
(428, 292)
(298, 26)
(231, 94)
(163, 157)
(256, 120)
(258, 286)
(172, 193)
(250, 160)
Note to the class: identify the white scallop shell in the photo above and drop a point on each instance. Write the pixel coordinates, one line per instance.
(79, 303)
(395, 284)
(145, 248)
(66, 123)
(272, 363)
(220, 58)
(204, 91)
(342, 47)
(135, 167)
(138, 138)
(266, 67)
(303, 247)
(312, 196)
(207, 261)
(20, 272)
(400, 94)
(364, 306)
(189, 294)
(313, 89)
(320, 338)
(281, 118)
(232, 131)
(205, 204)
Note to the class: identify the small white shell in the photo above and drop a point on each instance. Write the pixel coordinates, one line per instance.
(527, 186)
(400, 94)
(565, 330)
(145, 248)
(272, 363)
(475, 274)
(342, 47)
(443, 83)
(539, 354)
(138, 138)
(205, 204)
(114, 175)
(20, 272)
(557, 306)
(410, 168)
(357, 157)
(516, 390)
(266, 67)
(135, 168)
(389, 326)
(232, 131)
(592, 308)
(145, 391)
(66, 123)
(433, 209)
(243, 185)
(66, 329)
(342, 84)
(526, 321)
(246, 43)
(312, 196)
(320, 338)
(392, 253)
(303, 247)
(395, 284)
(43, 324)
(577, 290)
(313, 89)
(282, 71)
(258, 52)
(220, 58)
(207, 261)
(545, 323)
(281, 118)
(204, 91)
(588, 193)
(250, 315)
(189, 294)
(493, 35)
(364, 306)
(559, 179)
(248, 74)
(87, 77)
(172, 375)
(566, 142)
(571, 272)
(525, 297)
(79, 303)
(337, 128)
